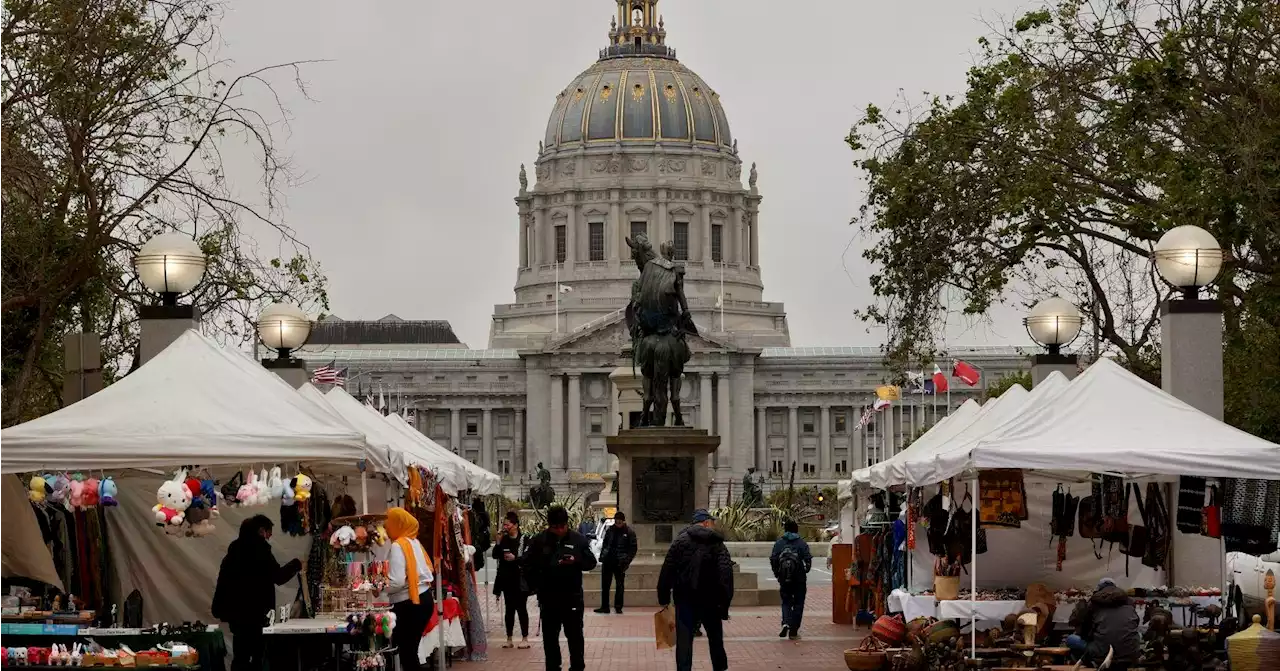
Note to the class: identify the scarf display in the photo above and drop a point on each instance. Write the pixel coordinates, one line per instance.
(1251, 516)
(1002, 498)
(1190, 504)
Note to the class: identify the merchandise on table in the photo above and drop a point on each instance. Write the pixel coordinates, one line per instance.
(91, 654)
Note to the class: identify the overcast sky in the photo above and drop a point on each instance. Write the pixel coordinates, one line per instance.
(426, 109)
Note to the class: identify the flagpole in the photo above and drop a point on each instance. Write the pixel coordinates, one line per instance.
(722, 295)
(557, 296)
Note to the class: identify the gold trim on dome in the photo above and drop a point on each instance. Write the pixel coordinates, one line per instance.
(577, 95)
(605, 92)
(653, 107)
(620, 108)
(637, 92)
(670, 93)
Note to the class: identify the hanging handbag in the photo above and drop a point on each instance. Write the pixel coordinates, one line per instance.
(1138, 534)
(1211, 520)
(1157, 523)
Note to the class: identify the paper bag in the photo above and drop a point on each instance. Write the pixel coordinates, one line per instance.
(664, 628)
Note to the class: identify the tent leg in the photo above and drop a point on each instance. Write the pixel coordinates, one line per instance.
(973, 570)
(364, 493)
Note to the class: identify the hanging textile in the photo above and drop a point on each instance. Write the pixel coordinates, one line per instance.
(1251, 516)
(1063, 521)
(1002, 498)
(935, 517)
(1158, 532)
(1115, 511)
(1190, 504)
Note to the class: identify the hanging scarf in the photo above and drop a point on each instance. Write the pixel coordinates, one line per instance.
(402, 527)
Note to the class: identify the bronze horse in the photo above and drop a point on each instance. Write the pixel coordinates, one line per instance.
(658, 320)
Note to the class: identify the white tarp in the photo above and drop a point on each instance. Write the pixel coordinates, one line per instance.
(194, 403)
(382, 456)
(1110, 420)
(479, 480)
(881, 475)
(862, 476)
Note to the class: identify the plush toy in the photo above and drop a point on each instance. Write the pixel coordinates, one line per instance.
(197, 497)
(40, 489)
(61, 488)
(301, 488)
(91, 495)
(107, 492)
(77, 495)
(19, 656)
(362, 536)
(342, 537)
(287, 494)
(173, 500)
(201, 522)
(275, 486)
(209, 492)
(264, 489)
(382, 536)
(77, 654)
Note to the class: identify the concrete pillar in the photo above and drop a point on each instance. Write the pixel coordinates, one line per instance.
(575, 422)
(160, 325)
(724, 393)
(755, 240)
(824, 442)
(536, 249)
(556, 448)
(519, 460)
(455, 429)
(1043, 365)
(619, 247)
(662, 231)
(762, 440)
(82, 364)
(1191, 353)
(615, 418)
(793, 440)
(704, 402)
(489, 458)
(571, 236)
(537, 404)
(293, 371)
(523, 238)
(706, 231)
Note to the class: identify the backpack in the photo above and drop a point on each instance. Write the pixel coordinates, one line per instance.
(790, 568)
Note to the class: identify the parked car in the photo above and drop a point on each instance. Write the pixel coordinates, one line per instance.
(1248, 572)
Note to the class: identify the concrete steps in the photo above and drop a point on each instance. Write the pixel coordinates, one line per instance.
(642, 587)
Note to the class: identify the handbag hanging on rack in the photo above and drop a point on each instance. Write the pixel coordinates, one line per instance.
(1211, 519)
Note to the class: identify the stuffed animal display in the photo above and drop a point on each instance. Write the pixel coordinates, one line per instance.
(108, 492)
(301, 488)
(342, 537)
(275, 486)
(40, 489)
(91, 496)
(172, 500)
(74, 492)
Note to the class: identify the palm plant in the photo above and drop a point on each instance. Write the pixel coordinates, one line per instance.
(574, 504)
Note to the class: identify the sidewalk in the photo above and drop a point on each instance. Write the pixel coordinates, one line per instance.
(625, 642)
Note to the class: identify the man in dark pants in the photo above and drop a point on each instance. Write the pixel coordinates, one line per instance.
(791, 562)
(698, 572)
(555, 562)
(246, 590)
(616, 552)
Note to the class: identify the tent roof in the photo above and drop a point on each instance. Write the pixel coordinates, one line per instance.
(479, 480)
(1109, 420)
(925, 444)
(195, 402)
(382, 457)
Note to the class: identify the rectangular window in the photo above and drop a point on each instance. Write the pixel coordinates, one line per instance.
(503, 427)
(776, 467)
(775, 425)
(807, 422)
(561, 247)
(717, 243)
(597, 423)
(638, 227)
(595, 235)
(504, 467)
(473, 426)
(842, 423)
(681, 241)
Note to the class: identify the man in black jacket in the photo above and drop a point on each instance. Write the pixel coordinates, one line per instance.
(554, 563)
(1109, 623)
(246, 590)
(616, 552)
(699, 573)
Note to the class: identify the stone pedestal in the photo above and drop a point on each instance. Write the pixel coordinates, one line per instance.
(160, 325)
(630, 389)
(1043, 365)
(663, 477)
(293, 371)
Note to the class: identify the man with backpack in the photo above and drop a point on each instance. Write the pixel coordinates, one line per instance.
(698, 572)
(791, 561)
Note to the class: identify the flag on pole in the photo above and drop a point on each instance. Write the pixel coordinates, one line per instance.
(967, 374)
(382, 401)
(329, 374)
(888, 392)
(940, 383)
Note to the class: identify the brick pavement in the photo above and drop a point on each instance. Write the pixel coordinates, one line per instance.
(625, 642)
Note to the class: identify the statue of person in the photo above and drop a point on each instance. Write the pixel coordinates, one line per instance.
(659, 320)
(751, 180)
(524, 179)
(752, 497)
(541, 495)
(544, 476)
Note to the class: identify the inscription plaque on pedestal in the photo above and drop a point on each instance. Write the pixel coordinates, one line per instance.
(664, 488)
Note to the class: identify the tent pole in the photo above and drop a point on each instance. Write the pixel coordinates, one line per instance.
(973, 570)
(364, 492)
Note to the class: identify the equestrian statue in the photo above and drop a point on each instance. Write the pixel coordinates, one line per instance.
(658, 320)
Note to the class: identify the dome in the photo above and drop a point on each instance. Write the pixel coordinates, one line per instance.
(637, 99)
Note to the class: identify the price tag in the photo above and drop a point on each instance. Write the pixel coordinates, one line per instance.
(179, 649)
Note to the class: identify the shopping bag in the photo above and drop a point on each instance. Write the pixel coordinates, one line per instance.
(664, 628)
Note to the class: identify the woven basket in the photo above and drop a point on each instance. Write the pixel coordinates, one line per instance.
(869, 656)
(890, 630)
(1254, 649)
(946, 588)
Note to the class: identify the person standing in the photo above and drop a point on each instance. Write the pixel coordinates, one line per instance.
(246, 590)
(409, 578)
(698, 573)
(791, 562)
(555, 562)
(616, 553)
(510, 585)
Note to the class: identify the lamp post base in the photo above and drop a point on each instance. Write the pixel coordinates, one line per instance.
(160, 325)
(1043, 365)
(293, 371)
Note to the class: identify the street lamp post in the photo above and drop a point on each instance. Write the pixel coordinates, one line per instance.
(169, 264)
(1189, 259)
(1053, 323)
(284, 328)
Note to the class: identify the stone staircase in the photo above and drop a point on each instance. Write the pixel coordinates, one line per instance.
(642, 587)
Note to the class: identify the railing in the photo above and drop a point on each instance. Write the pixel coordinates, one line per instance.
(655, 50)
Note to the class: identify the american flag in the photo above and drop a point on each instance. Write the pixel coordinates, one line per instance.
(329, 375)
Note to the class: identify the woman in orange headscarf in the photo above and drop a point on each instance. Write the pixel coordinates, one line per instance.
(408, 586)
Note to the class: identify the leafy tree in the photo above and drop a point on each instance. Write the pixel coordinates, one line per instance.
(1006, 381)
(1088, 129)
(115, 120)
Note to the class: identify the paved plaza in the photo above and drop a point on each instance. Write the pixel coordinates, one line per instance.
(625, 642)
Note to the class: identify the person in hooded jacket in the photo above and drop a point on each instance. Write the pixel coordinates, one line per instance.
(793, 586)
(246, 590)
(616, 552)
(698, 572)
(554, 562)
(1109, 623)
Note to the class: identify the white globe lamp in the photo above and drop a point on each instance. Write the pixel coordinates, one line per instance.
(1188, 257)
(283, 328)
(1053, 323)
(170, 264)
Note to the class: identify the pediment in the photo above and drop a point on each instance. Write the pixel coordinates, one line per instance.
(638, 210)
(682, 210)
(609, 336)
(718, 214)
(591, 211)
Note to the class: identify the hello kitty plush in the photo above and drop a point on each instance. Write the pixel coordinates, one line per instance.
(107, 492)
(91, 495)
(173, 500)
(275, 486)
(77, 495)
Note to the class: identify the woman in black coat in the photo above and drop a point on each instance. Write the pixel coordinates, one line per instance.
(246, 590)
(510, 583)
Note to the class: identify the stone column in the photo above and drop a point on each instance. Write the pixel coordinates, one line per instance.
(160, 325)
(571, 235)
(618, 247)
(661, 232)
(734, 235)
(858, 443)
(793, 440)
(724, 396)
(706, 230)
(824, 442)
(557, 423)
(490, 458)
(762, 440)
(615, 416)
(535, 248)
(519, 460)
(755, 239)
(1191, 353)
(455, 429)
(704, 402)
(575, 422)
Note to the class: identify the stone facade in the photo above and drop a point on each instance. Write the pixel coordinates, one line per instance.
(638, 142)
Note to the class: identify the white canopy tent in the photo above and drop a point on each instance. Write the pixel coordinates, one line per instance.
(481, 481)
(862, 476)
(968, 415)
(195, 402)
(382, 456)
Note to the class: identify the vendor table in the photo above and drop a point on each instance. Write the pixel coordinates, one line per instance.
(307, 643)
(209, 645)
(912, 606)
